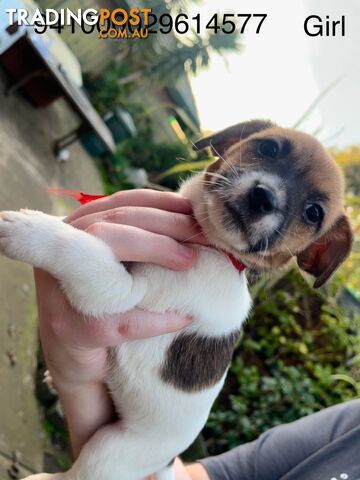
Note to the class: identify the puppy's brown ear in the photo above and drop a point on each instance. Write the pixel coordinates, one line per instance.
(221, 141)
(323, 257)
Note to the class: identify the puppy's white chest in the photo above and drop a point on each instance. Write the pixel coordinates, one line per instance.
(213, 292)
(168, 383)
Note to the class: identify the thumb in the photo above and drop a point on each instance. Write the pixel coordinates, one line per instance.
(137, 324)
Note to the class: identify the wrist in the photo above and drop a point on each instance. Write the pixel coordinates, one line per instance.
(72, 367)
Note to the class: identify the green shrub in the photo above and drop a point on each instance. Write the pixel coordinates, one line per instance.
(154, 157)
(143, 152)
(105, 90)
(292, 361)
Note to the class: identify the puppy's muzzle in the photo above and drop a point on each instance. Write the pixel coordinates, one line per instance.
(262, 200)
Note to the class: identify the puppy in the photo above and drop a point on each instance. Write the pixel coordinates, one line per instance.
(271, 195)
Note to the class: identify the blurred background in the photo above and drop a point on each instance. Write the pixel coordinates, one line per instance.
(95, 115)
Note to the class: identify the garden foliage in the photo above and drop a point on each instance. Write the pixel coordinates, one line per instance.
(299, 353)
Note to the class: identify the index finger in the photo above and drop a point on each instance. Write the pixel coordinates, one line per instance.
(172, 202)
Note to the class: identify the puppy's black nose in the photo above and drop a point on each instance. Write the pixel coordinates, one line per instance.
(262, 200)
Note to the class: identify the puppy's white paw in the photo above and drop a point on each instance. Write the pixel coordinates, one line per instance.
(17, 230)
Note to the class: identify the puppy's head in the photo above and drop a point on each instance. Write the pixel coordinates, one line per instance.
(273, 193)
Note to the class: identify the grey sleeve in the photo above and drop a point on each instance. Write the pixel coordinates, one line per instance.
(306, 445)
(237, 464)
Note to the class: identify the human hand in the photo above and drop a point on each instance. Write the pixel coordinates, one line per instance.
(190, 472)
(141, 226)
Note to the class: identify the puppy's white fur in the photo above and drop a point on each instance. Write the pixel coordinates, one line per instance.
(158, 420)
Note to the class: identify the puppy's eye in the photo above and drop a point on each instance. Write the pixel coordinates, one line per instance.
(268, 148)
(313, 213)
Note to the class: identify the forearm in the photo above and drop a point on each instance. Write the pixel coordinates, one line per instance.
(190, 472)
(86, 409)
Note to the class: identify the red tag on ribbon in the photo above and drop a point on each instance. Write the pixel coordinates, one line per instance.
(81, 197)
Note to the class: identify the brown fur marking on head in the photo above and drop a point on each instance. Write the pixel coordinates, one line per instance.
(221, 141)
(310, 175)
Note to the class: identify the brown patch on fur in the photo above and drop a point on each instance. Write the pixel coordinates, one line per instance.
(194, 362)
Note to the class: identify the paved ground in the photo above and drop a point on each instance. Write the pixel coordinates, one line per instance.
(27, 167)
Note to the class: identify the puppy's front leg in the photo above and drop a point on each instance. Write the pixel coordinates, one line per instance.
(93, 280)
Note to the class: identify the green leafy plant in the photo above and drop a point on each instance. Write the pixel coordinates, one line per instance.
(105, 90)
(143, 151)
(153, 157)
(292, 361)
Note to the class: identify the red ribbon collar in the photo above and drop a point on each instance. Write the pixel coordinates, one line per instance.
(84, 198)
(237, 264)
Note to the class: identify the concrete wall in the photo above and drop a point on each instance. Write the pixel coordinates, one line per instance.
(27, 168)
